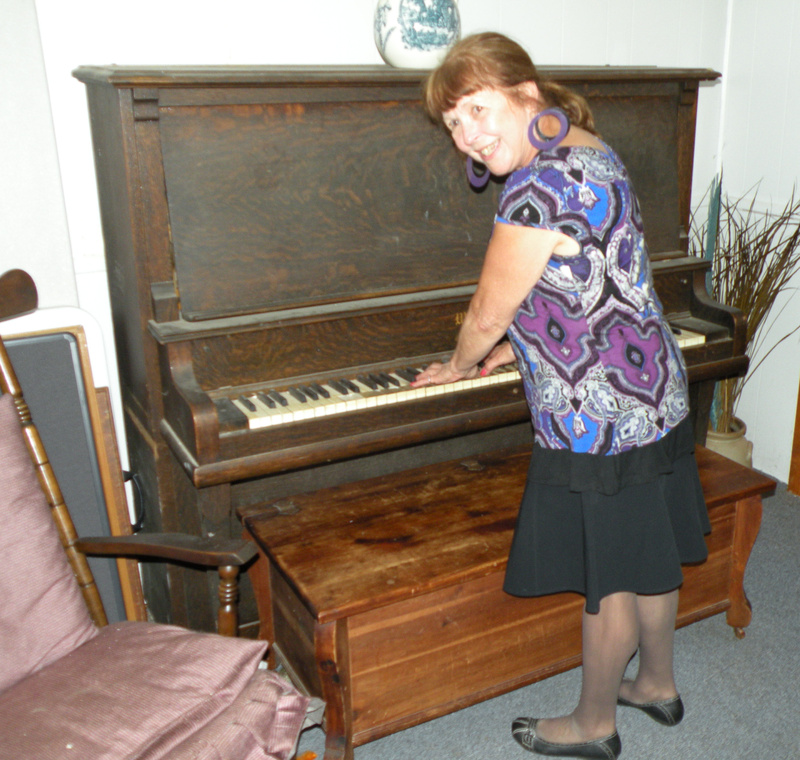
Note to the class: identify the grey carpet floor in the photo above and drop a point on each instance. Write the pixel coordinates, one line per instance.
(741, 696)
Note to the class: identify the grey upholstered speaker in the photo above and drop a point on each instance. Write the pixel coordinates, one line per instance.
(50, 372)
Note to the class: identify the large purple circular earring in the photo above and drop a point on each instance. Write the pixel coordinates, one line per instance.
(477, 180)
(542, 142)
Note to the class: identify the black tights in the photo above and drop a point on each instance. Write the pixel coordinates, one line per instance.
(625, 622)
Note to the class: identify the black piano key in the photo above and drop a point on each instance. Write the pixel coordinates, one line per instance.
(265, 399)
(296, 394)
(339, 387)
(350, 385)
(320, 390)
(247, 403)
(310, 392)
(415, 372)
(280, 400)
(391, 379)
(376, 378)
(364, 380)
(407, 374)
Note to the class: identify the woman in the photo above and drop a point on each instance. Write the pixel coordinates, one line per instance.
(613, 503)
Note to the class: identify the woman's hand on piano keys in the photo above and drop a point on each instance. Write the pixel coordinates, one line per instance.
(501, 355)
(437, 373)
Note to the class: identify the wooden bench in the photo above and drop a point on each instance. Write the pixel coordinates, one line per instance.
(384, 597)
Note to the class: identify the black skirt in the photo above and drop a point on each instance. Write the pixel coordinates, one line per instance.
(630, 534)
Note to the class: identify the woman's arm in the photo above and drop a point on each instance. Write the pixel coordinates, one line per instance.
(515, 260)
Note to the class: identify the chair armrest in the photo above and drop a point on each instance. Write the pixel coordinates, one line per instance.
(226, 554)
(175, 547)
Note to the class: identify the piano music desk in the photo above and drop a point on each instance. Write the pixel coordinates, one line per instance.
(384, 597)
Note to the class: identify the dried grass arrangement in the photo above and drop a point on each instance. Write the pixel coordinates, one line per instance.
(754, 257)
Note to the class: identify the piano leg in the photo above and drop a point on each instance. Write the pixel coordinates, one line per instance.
(747, 524)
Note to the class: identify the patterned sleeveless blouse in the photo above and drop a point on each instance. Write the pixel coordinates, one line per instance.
(601, 368)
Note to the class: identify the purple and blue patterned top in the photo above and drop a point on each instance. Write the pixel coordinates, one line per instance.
(601, 368)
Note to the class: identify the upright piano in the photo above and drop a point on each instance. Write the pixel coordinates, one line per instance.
(287, 245)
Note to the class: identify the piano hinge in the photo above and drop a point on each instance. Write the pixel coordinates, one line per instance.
(145, 104)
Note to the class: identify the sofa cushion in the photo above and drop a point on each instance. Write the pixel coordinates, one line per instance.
(262, 724)
(42, 615)
(136, 690)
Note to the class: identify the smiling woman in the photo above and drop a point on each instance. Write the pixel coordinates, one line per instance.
(613, 503)
(489, 127)
(469, 88)
(493, 62)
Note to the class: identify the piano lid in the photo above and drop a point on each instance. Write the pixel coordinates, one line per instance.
(297, 187)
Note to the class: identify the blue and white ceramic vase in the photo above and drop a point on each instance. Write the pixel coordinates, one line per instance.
(416, 33)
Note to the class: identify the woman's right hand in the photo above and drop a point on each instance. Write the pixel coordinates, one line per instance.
(499, 356)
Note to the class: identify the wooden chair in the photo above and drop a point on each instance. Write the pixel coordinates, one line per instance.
(17, 296)
(185, 694)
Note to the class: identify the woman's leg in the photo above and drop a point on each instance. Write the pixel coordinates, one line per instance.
(610, 639)
(655, 679)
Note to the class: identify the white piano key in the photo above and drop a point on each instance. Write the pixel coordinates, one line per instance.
(317, 407)
(249, 413)
(258, 418)
(687, 338)
(266, 415)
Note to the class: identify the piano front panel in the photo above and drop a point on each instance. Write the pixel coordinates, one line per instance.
(276, 206)
(279, 198)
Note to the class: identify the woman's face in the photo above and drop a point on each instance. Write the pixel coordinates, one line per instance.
(493, 129)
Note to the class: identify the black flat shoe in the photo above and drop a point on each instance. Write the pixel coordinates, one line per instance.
(668, 712)
(524, 731)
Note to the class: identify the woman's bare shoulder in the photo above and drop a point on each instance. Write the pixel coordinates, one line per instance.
(578, 137)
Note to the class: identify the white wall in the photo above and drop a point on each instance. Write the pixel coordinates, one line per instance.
(760, 145)
(33, 223)
(749, 40)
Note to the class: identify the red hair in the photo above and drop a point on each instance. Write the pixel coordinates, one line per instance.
(491, 61)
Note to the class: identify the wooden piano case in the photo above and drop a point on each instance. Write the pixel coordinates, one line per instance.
(385, 596)
(266, 226)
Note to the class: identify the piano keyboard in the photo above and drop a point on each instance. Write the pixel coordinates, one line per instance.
(270, 407)
(267, 408)
(687, 338)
